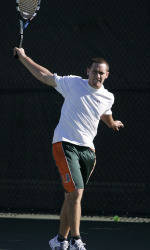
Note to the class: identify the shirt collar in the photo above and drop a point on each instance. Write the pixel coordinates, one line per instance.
(93, 90)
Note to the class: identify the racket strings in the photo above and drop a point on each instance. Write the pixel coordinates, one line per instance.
(28, 8)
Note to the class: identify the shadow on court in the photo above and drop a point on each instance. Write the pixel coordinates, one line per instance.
(29, 234)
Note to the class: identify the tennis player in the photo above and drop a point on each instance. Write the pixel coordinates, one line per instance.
(86, 102)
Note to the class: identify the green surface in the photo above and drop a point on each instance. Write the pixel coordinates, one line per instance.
(23, 234)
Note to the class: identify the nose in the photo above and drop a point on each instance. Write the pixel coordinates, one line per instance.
(98, 75)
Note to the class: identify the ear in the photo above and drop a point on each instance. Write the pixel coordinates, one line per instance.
(107, 75)
(87, 71)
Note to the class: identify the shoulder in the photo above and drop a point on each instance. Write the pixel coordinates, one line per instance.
(67, 78)
(74, 78)
(109, 95)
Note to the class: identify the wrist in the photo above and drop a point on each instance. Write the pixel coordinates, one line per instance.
(111, 124)
(23, 58)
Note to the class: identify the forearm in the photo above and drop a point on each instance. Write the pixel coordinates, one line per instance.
(108, 120)
(41, 73)
(35, 69)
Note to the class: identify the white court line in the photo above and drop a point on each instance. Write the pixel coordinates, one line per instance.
(83, 218)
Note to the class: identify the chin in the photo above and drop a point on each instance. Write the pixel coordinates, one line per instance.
(97, 86)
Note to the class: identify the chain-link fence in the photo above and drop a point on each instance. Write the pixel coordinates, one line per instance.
(62, 38)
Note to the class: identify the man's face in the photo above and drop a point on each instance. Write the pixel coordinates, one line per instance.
(97, 74)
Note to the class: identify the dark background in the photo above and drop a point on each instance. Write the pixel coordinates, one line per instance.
(63, 37)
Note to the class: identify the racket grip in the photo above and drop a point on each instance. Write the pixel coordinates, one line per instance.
(16, 56)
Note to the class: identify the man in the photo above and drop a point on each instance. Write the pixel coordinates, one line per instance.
(86, 101)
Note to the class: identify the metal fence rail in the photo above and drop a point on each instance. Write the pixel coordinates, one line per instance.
(63, 38)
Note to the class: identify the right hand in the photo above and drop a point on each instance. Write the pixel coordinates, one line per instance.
(20, 52)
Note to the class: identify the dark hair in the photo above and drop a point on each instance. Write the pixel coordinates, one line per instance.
(98, 60)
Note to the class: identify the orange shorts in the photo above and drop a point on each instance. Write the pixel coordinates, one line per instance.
(75, 164)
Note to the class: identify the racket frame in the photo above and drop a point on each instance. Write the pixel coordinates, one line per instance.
(24, 22)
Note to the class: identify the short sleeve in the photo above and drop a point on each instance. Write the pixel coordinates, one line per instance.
(65, 84)
(109, 111)
(62, 83)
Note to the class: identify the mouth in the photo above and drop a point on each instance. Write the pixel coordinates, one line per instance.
(97, 81)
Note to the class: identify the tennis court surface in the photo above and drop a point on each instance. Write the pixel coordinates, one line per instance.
(34, 234)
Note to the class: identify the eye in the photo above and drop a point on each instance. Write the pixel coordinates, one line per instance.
(95, 72)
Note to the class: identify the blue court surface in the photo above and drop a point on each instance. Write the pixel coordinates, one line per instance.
(34, 234)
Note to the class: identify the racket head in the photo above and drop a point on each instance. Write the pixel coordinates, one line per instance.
(28, 8)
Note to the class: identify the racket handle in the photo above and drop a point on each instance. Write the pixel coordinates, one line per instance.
(16, 56)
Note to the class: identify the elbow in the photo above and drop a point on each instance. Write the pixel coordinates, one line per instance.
(47, 79)
(42, 77)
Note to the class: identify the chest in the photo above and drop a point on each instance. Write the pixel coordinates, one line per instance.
(89, 103)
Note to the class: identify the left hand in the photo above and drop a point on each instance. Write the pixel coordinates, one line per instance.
(20, 52)
(117, 125)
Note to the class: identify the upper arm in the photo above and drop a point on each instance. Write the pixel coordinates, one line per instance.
(107, 119)
(65, 84)
(48, 79)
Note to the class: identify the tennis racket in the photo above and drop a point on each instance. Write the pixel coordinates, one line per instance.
(27, 10)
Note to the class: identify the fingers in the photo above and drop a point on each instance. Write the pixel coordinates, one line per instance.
(19, 52)
(118, 125)
(15, 52)
(116, 128)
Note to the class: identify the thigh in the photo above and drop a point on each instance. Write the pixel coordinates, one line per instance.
(87, 162)
(67, 161)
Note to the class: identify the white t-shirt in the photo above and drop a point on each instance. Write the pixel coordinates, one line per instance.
(81, 110)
